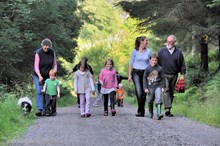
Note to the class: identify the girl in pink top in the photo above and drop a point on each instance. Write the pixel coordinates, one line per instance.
(109, 83)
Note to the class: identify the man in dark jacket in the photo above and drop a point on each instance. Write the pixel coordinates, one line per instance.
(172, 61)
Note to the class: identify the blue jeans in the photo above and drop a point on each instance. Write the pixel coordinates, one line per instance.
(155, 94)
(39, 95)
(137, 77)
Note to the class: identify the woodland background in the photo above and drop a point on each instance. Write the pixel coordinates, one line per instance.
(107, 29)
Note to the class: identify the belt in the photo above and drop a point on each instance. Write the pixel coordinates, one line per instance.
(138, 70)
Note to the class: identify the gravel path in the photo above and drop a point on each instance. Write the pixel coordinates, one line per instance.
(69, 129)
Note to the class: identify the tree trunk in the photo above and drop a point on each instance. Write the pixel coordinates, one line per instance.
(204, 54)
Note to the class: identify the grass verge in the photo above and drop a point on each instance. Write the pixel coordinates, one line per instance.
(12, 120)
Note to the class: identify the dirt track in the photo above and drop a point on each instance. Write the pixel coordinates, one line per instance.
(69, 129)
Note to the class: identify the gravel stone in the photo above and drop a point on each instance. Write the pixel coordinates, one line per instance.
(67, 128)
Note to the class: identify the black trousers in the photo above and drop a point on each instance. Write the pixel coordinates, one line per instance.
(112, 100)
(50, 104)
(120, 102)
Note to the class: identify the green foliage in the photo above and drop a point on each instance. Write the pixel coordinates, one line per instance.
(215, 3)
(12, 120)
(24, 24)
(207, 112)
(67, 99)
(213, 87)
(201, 102)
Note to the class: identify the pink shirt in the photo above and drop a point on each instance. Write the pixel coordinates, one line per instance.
(108, 78)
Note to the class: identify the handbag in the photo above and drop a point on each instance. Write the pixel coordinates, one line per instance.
(180, 86)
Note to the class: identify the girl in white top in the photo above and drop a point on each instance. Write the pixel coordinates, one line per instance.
(83, 85)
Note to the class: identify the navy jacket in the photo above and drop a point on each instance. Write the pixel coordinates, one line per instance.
(171, 63)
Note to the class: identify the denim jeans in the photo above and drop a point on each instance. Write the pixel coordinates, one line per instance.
(155, 94)
(137, 77)
(39, 95)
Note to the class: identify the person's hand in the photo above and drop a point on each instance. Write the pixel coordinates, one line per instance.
(146, 91)
(129, 79)
(43, 91)
(164, 90)
(182, 77)
(58, 95)
(75, 92)
(93, 92)
(40, 79)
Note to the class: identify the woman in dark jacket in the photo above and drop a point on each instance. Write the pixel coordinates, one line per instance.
(45, 60)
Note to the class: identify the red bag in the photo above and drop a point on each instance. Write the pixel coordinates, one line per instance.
(180, 86)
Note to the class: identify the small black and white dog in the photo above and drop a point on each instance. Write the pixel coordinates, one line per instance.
(26, 104)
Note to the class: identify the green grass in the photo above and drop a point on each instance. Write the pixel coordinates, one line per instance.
(12, 120)
(208, 112)
(205, 112)
(67, 100)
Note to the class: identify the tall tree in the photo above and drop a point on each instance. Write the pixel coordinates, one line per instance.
(181, 17)
(24, 24)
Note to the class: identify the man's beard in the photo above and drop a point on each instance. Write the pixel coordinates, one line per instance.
(169, 46)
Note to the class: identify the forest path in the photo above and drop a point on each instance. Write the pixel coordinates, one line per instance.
(124, 129)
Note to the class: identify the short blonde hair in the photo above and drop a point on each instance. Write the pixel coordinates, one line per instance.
(52, 72)
(120, 85)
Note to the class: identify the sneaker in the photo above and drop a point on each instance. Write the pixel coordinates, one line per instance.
(113, 112)
(105, 113)
(88, 115)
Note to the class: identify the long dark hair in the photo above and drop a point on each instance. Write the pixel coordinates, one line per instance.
(84, 64)
(138, 41)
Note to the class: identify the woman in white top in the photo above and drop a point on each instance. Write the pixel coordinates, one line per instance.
(139, 61)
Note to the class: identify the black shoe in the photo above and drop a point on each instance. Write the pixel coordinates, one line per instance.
(160, 117)
(38, 113)
(170, 115)
(88, 115)
(53, 114)
(105, 113)
(139, 115)
(113, 112)
(167, 113)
